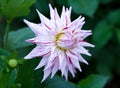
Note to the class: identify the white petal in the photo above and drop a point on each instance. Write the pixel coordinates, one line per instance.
(46, 74)
(42, 62)
(36, 28)
(76, 64)
(62, 61)
(53, 54)
(77, 24)
(82, 34)
(61, 57)
(66, 74)
(51, 12)
(82, 51)
(42, 17)
(63, 17)
(71, 69)
(86, 44)
(68, 13)
(33, 40)
(81, 59)
(46, 22)
(63, 67)
(71, 55)
(55, 68)
(37, 51)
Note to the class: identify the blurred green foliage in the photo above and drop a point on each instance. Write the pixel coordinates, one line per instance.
(102, 17)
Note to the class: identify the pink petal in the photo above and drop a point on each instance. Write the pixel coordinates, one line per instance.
(71, 69)
(46, 22)
(55, 68)
(77, 24)
(63, 17)
(75, 63)
(72, 55)
(46, 74)
(66, 74)
(53, 54)
(61, 57)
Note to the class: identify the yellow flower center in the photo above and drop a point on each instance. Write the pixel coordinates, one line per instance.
(58, 36)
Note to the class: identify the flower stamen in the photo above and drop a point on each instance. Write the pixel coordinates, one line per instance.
(57, 37)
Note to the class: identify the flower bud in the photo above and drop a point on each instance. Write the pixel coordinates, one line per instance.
(12, 63)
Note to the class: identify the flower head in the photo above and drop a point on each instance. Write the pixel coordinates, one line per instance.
(60, 42)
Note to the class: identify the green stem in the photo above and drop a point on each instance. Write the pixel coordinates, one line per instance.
(6, 34)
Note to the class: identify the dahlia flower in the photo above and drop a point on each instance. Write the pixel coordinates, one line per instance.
(60, 42)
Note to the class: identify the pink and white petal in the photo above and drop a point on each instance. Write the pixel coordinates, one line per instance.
(46, 73)
(36, 28)
(63, 67)
(42, 17)
(55, 68)
(46, 22)
(51, 12)
(37, 51)
(49, 65)
(71, 69)
(81, 59)
(85, 35)
(33, 40)
(81, 50)
(81, 34)
(62, 61)
(68, 14)
(71, 54)
(61, 57)
(66, 74)
(63, 17)
(77, 24)
(43, 62)
(57, 20)
(75, 63)
(53, 54)
(85, 44)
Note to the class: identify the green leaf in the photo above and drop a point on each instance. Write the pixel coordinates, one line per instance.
(42, 6)
(58, 82)
(4, 80)
(102, 34)
(25, 75)
(87, 7)
(114, 20)
(118, 34)
(105, 62)
(93, 81)
(105, 1)
(17, 38)
(114, 17)
(13, 76)
(4, 52)
(15, 8)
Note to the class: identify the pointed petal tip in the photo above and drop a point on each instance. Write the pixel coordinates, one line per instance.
(38, 11)
(50, 6)
(26, 57)
(25, 20)
(36, 68)
(93, 46)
